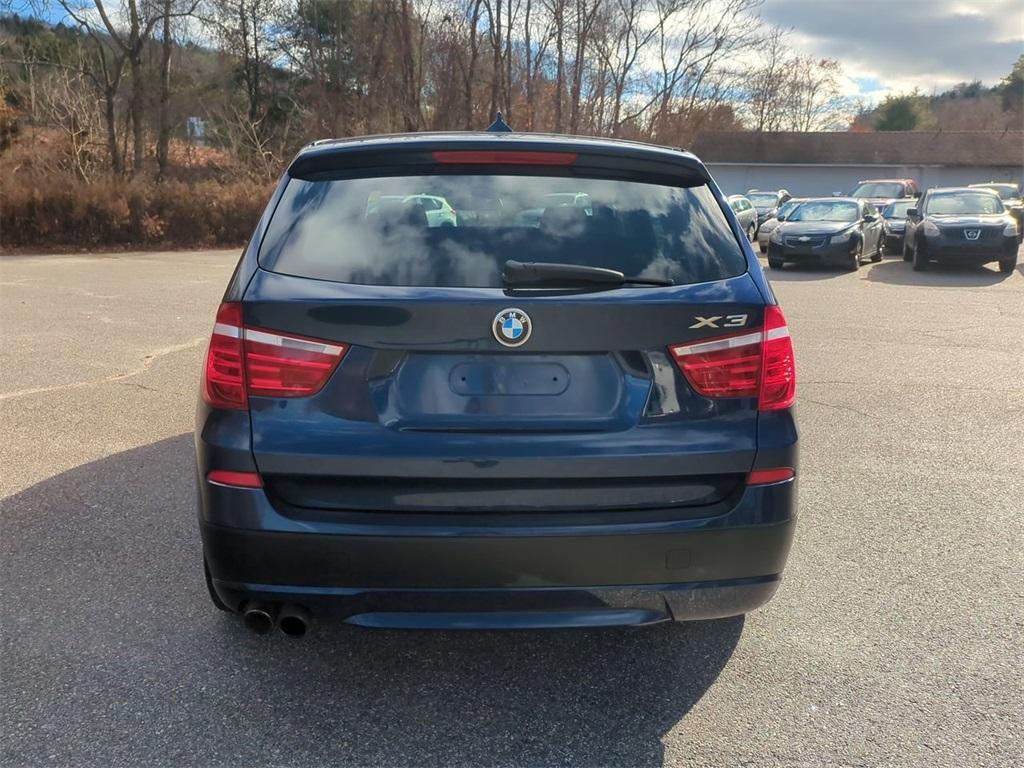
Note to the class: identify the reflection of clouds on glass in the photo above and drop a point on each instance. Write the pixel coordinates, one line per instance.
(368, 231)
(826, 211)
(471, 266)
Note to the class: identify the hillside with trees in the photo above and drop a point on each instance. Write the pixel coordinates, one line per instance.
(965, 107)
(167, 121)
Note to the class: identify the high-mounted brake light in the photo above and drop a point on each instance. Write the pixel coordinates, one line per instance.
(503, 157)
(747, 364)
(243, 362)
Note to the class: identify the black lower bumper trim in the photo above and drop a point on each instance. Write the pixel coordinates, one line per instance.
(529, 608)
(461, 562)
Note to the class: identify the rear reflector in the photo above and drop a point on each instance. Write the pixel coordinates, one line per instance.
(504, 157)
(244, 362)
(758, 364)
(774, 475)
(235, 479)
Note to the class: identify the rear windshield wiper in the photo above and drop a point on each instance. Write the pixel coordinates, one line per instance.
(518, 274)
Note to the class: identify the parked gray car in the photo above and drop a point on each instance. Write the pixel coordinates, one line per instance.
(746, 213)
(828, 231)
(768, 226)
(767, 202)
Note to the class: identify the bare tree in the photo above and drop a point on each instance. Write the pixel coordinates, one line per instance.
(104, 67)
(623, 40)
(164, 132)
(129, 30)
(65, 100)
(814, 99)
(768, 82)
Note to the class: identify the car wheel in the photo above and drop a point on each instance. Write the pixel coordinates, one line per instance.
(1006, 266)
(855, 256)
(879, 251)
(213, 595)
(751, 232)
(920, 260)
(775, 263)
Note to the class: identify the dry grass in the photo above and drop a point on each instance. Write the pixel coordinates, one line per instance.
(45, 206)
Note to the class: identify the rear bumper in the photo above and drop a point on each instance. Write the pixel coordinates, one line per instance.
(629, 571)
(522, 569)
(894, 240)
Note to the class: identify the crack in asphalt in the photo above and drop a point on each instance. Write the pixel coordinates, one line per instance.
(837, 406)
(147, 361)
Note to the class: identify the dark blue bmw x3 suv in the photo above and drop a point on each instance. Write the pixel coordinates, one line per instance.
(496, 380)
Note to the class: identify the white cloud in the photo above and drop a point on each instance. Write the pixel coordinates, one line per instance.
(899, 46)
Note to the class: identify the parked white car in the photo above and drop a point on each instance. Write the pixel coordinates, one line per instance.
(746, 213)
(439, 211)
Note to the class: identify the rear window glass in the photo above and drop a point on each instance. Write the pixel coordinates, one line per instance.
(763, 200)
(879, 189)
(459, 230)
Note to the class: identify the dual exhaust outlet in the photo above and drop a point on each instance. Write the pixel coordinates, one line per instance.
(261, 618)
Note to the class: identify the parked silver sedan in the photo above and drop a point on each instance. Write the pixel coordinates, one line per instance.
(746, 213)
(769, 225)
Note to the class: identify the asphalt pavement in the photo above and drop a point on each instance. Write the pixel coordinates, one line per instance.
(895, 640)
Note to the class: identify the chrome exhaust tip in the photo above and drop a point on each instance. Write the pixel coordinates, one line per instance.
(258, 617)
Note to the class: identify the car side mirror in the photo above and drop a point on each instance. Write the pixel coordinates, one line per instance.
(781, 218)
(911, 213)
(869, 217)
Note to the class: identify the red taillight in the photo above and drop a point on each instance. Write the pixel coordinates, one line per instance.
(778, 369)
(244, 362)
(744, 365)
(235, 479)
(766, 476)
(503, 157)
(224, 377)
(287, 366)
(724, 367)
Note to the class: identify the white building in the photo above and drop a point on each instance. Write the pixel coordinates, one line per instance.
(808, 164)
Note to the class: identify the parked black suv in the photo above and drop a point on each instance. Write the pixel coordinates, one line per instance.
(960, 225)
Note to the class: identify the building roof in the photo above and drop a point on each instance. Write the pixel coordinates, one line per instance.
(954, 148)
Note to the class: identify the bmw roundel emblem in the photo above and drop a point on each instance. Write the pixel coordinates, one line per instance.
(512, 327)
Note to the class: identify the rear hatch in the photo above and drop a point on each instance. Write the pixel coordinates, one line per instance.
(461, 393)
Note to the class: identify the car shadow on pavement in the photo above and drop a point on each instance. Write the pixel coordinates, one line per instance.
(899, 272)
(113, 654)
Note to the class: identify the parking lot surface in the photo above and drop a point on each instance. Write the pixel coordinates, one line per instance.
(895, 639)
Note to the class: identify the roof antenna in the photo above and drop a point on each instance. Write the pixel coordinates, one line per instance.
(499, 125)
